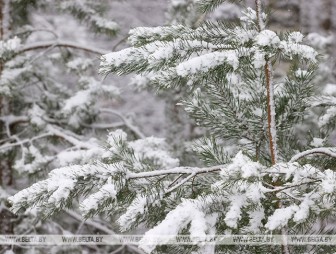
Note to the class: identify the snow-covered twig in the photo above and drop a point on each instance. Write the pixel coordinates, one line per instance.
(280, 189)
(59, 43)
(180, 183)
(127, 123)
(52, 131)
(315, 151)
(24, 141)
(260, 22)
(12, 119)
(104, 125)
(173, 171)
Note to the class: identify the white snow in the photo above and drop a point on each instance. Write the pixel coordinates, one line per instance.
(317, 142)
(93, 201)
(154, 149)
(267, 38)
(177, 219)
(233, 216)
(206, 62)
(295, 37)
(280, 217)
(302, 211)
(256, 216)
(259, 59)
(329, 182)
(137, 207)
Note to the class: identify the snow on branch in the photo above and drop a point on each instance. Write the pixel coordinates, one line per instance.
(59, 43)
(316, 151)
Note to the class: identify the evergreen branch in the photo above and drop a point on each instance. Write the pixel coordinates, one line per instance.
(59, 43)
(173, 171)
(315, 151)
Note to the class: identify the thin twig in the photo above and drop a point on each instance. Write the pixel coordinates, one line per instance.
(127, 122)
(180, 183)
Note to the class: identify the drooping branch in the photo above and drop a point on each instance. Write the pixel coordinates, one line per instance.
(316, 151)
(59, 43)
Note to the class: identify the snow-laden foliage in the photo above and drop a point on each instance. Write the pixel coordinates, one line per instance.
(258, 179)
(51, 112)
(120, 159)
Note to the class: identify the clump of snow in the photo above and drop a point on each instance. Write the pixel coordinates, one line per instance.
(295, 37)
(106, 192)
(68, 157)
(105, 23)
(60, 189)
(259, 59)
(158, 33)
(317, 142)
(304, 51)
(177, 219)
(154, 149)
(256, 216)
(233, 216)
(36, 115)
(267, 38)
(302, 211)
(243, 165)
(329, 182)
(280, 217)
(9, 46)
(136, 208)
(206, 62)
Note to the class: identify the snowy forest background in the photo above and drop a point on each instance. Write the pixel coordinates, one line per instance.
(57, 110)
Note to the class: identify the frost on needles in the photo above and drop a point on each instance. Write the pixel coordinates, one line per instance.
(256, 177)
